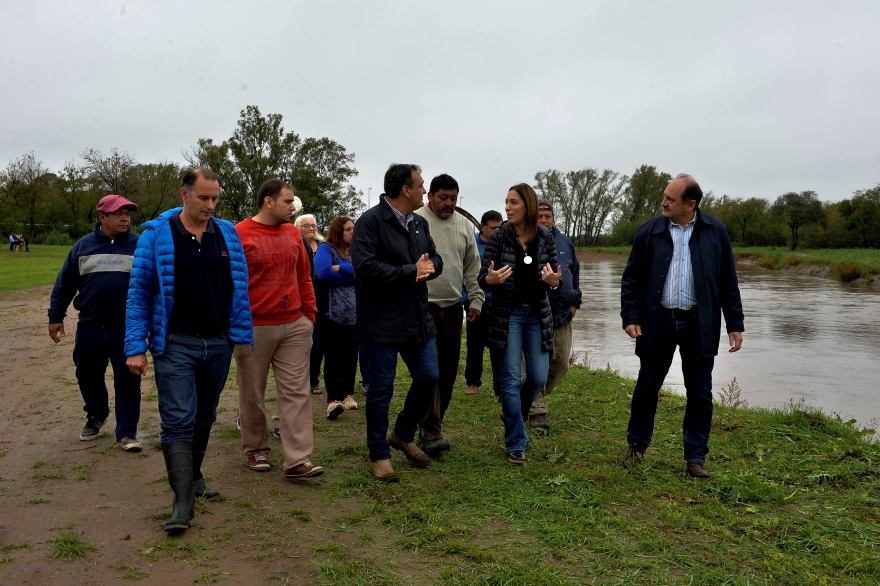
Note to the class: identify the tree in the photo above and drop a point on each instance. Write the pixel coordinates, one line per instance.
(113, 173)
(747, 213)
(158, 188)
(551, 185)
(583, 201)
(27, 181)
(261, 149)
(862, 215)
(79, 196)
(798, 210)
(642, 198)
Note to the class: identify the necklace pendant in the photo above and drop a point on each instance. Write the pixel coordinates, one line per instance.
(527, 260)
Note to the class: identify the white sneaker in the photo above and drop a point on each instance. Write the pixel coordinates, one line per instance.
(349, 403)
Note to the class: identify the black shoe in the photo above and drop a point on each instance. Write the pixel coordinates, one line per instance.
(435, 447)
(179, 464)
(517, 457)
(199, 445)
(92, 428)
(539, 421)
(633, 456)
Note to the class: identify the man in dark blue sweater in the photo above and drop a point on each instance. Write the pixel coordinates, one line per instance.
(95, 277)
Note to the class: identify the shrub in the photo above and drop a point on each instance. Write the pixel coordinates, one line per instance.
(56, 238)
(846, 272)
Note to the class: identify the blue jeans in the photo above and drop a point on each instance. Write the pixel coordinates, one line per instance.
(523, 339)
(190, 376)
(421, 360)
(697, 371)
(92, 349)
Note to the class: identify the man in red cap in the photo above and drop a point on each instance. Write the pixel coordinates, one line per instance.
(95, 277)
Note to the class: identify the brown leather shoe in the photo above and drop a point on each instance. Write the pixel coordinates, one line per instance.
(412, 452)
(698, 470)
(383, 471)
(633, 456)
(304, 470)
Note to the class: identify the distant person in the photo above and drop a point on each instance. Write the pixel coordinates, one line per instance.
(308, 226)
(678, 280)
(11, 242)
(95, 277)
(475, 331)
(16, 243)
(283, 308)
(453, 236)
(188, 304)
(518, 271)
(564, 301)
(25, 242)
(393, 255)
(337, 316)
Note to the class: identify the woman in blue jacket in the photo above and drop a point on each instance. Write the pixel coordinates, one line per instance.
(337, 315)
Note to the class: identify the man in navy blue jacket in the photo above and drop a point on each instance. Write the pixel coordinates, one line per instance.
(95, 277)
(680, 277)
(564, 301)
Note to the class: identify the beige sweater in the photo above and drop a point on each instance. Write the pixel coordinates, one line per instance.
(454, 239)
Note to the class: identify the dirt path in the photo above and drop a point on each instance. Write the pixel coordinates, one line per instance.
(267, 530)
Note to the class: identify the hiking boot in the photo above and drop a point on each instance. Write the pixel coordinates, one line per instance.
(258, 462)
(92, 428)
(130, 444)
(383, 471)
(698, 470)
(334, 409)
(633, 456)
(412, 452)
(435, 447)
(304, 470)
(539, 421)
(517, 457)
(349, 403)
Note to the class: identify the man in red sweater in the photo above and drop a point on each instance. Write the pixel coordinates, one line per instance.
(284, 311)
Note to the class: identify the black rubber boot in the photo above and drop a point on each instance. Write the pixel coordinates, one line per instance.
(199, 445)
(179, 464)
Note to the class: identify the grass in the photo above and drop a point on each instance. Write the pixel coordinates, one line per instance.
(22, 270)
(846, 264)
(69, 547)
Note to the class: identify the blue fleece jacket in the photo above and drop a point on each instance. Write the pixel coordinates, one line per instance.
(95, 277)
(151, 292)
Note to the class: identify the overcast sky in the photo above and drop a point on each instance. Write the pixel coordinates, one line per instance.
(752, 98)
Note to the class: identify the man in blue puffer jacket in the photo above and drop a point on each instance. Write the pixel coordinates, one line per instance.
(564, 302)
(188, 304)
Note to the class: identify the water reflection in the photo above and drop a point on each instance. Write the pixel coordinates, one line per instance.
(806, 338)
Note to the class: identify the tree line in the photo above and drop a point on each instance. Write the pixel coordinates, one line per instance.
(57, 206)
(606, 208)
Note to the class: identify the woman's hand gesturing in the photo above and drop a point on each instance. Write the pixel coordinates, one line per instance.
(497, 277)
(551, 278)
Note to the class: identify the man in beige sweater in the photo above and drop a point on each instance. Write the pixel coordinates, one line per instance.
(454, 237)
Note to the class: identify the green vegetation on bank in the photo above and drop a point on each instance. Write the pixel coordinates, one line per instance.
(23, 270)
(846, 264)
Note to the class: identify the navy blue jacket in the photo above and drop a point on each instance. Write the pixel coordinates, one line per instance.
(392, 308)
(568, 294)
(95, 277)
(714, 268)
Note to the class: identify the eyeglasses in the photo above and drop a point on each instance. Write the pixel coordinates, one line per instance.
(308, 225)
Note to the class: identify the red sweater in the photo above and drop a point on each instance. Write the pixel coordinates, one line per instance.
(279, 282)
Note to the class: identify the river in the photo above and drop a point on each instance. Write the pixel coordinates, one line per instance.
(807, 339)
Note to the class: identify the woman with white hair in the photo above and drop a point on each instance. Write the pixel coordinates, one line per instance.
(308, 227)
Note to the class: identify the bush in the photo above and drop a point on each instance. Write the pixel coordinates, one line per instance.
(56, 238)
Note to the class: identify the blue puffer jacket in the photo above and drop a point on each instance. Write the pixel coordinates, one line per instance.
(151, 288)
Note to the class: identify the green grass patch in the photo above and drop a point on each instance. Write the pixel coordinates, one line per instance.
(69, 547)
(846, 264)
(23, 270)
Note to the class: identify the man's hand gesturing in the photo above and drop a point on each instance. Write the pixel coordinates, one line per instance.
(424, 268)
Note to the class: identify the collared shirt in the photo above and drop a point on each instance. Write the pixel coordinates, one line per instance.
(678, 290)
(404, 220)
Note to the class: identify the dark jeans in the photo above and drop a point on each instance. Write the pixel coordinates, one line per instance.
(340, 362)
(476, 343)
(364, 360)
(92, 349)
(190, 375)
(523, 342)
(697, 371)
(316, 356)
(421, 360)
(448, 321)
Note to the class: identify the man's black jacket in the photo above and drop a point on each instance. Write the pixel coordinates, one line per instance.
(392, 308)
(715, 282)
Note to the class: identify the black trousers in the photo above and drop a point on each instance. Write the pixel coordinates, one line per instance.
(341, 359)
(448, 321)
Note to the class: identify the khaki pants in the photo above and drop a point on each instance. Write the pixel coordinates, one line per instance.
(286, 347)
(559, 358)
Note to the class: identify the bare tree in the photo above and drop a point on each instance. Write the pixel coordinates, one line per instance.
(27, 181)
(113, 173)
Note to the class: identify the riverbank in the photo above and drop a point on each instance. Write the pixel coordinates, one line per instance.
(792, 499)
(857, 266)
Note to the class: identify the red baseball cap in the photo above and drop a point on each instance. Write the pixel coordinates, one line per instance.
(111, 203)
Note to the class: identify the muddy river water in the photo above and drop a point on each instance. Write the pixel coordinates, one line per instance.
(806, 338)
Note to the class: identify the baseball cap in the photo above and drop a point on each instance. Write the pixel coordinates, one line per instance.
(111, 203)
(543, 203)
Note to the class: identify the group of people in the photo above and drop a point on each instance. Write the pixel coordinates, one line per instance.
(19, 243)
(401, 281)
